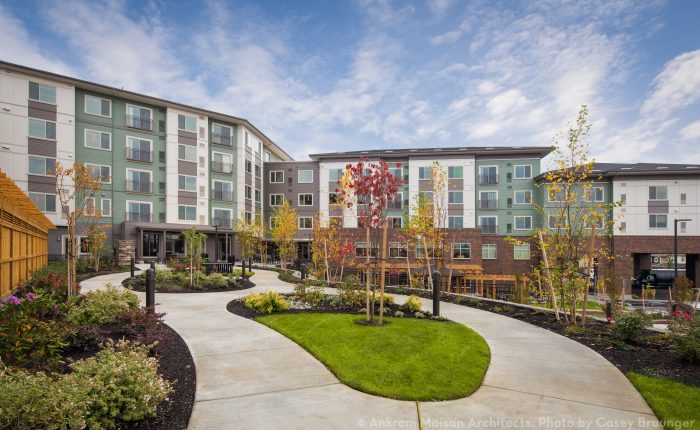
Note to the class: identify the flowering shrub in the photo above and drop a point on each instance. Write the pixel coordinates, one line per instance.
(388, 298)
(266, 303)
(103, 306)
(413, 303)
(351, 293)
(216, 280)
(629, 325)
(311, 295)
(685, 334)
(237, 273)
(142, 325)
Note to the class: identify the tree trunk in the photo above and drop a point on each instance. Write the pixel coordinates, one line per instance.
(383, 277)
(408, 268)
(325, 258)
(427, 259)
(548, 276)
(368, 252)
(591, 251)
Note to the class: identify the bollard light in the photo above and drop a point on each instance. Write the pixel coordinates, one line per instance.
(436, 294)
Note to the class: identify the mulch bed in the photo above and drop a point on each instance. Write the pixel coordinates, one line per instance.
(160, 288)
(652, 354)
(175, 364)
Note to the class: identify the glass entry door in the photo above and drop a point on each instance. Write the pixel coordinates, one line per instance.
(151, 242)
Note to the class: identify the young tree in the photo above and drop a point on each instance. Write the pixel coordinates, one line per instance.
(370, 186)
(96, 237)
(74, 187)
(420, 223)
(285, 224)
(195, 245)
(249, 237)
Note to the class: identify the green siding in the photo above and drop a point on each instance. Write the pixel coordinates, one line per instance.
(550, 207)
(233, 150)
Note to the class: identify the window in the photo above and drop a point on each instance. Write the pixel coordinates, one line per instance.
(258, 146)
(90, 206)
(658, 193)
(488, 200)
(222, 218)
(187, 153)
(273, 221)
(455, 222)
(306, 222)
(221, 163)
(683, 198)
(521, 252)
(42, 92)
(361, 249)
(187, 213)
(306, 199)
(455, 197)
(523, 223)
(395, 221)
(683, 227)
(267, 156)
(335, 174)
(187, 123)
(658, 221)
(556, 195)
(305, 176)
(138, 181)
(428, 195)
(276, 199)
(277, 177)
(488, 224)
(552, 222)
(523, 171)
(97, 106)
(248, 216)
(42, 165)
(599, 221)
(488, 175)
(425, 173)
(221, 135)
(594, 194)
(461, 251)
(223, 191)
(45, 202)
(99, 172)
(333, 199)
(138, 211)
(40, 129)
(187, 183)
(247, 141)
(623, 227)
(523, 197)
(258, 169)
(623, 199)
(455, 172)
(420, 251)
(98, 140)
(258, 196)
(138, 149)
(396, 172)
(106, 207)
(398, 250)
(396, 202)
(248, 166)
(248, 192)
(488, 251)
(139, 117)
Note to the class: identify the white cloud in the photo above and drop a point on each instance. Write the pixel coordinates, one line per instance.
(439, 7)
(449, 37)
(691, 131)
(676, 87)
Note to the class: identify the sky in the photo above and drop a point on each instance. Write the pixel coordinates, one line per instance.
(323, 76)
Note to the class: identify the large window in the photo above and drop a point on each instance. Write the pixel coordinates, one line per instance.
(258, 171)
(335, 174)
(305, 176)
(461, 251)
(488, 175)
(221, 135)
(42, 92)
(455, 197)
(248, 192)
(138, 149)
(455, 172)
(98, 140)
(556, 195)
(41, 129)
(106, 207)
(187, 153)
(42, 165)
(595, 194)
(488, 251)
(523, 223)
(187, 123)
(425, 173)
(187, 183)
(658, 221)
(306, 199)
(658, 193)
(139, 117)
(45, 202)
(421, 253)
(223, 191)
(98, 106)
(397, 202)
(306, 223)
(398, 250)
(222, 218)
(187, 213)
(221, 163)
(523, 171)
(138, 181)
(521, 252)
(276, 199)
(488, 200)
(488, 224)
(248, 166)
(395, 221)
(258, 196)
(523, 197)
(138, 211)
(100, 172)
(361, 249)
(277, 177)
(455, 222)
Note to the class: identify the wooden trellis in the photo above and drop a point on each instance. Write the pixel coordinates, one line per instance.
(23, 236)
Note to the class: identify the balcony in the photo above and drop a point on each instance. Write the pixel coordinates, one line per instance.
(138, 216)
(488, 180)
(222, 222)
(222, 196)
(488, 204)
(488, 228)
(141, 187)
(221, 167)
(136, 154)
(221, 139)
(139, 122)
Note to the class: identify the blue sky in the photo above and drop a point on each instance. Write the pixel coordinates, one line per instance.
(321, 76)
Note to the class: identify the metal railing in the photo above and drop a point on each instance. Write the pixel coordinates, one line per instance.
(141, 123)
(139, 187)
(488, 228)
(221, 139)
(138, 216)
(221, 167)
(222, 196)
(488, 204)
(139, 155)
(223, 222)
(488, 180)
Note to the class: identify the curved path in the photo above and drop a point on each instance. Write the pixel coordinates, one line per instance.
(251, 377)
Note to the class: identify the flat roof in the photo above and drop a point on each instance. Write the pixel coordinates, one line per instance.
(609, 170)
(540, 151)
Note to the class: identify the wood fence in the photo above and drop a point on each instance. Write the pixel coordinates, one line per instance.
(23, 236)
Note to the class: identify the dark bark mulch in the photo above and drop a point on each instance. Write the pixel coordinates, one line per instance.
(160, 288)
(652, 354)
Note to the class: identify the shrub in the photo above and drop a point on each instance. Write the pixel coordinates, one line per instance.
(103, 306)
(629, 325)
(685, 335)
(413, 303)
(288, 276)
(314, 296)
(420, 315)
(682, 289)
(388, 298)
(216, 280)
(163, 276)
(239, 272)
(267, 302)
(398, 314)
(142, 325)
(181, 278)
(351, 293)
(574, 330)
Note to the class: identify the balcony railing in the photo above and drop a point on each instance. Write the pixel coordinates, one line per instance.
(139, 122)
(488, 228)
(488, 180)
(138, 216)
(221, 167)
(223, 196)
(221, 139)
(139, 155)
(139, 187)
(488, 204)
(223, 222)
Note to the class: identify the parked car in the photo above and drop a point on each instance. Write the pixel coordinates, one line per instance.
(655, 278)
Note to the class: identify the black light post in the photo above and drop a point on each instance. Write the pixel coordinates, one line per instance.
(675, 245)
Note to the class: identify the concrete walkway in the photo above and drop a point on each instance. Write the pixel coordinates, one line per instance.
(251, 377)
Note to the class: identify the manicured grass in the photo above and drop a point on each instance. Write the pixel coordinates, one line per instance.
(406, 359)
(672, 401)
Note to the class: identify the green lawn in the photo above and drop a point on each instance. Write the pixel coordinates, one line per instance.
(672, 401)
(406, 359)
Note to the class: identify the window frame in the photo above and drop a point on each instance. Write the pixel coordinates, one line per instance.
(180, 175)
(186, 147)
(305, 194)
(40, 84)
(525, 192)
(130, 169)
(186, 207)
(305, 218)
(515, 172)
(102, 207)
(656, 227)
(488, 192)
(269, 176)
(424, 169)
(230, 136)
(401, 246)
(246, 194)
(109, 181)
(520, 247)
(46, 170)
(139, 202)
(524, 217)
(390, 222)
(655, 187)
(590, 194)
(489, 217)
(55, 201)
(85, 139)
(299, 172)
(452, 193)
(131, 105)
(129, 139)
(495, 251)
(450, 217)
(185, 116)
(270, 196)
(461, 248)
(461, 169)
(85, 105)
(489, 166)
(44, 121)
